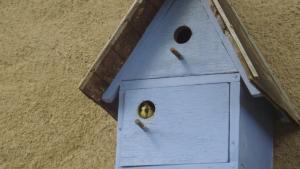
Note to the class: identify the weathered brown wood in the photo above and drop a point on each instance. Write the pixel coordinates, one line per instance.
(265, 81)
(110, 65)
(157, 3)
(126, 41)
(117, 50)
(140, 20)
(94, 87)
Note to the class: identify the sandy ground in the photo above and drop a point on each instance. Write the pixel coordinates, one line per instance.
(47, 47)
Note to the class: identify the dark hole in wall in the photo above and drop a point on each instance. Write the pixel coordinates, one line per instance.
(183, 34)
(146, 109)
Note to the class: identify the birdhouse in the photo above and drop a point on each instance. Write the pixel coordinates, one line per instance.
(177, 77)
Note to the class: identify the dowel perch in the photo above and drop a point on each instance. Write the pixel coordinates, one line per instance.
(176, 53)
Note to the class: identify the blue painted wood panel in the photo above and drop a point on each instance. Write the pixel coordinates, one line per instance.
(180, 81)
(231, 51)
(204, 53)
(256, 132)
(191, 125)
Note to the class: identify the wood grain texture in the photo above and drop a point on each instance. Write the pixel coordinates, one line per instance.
(266, 81)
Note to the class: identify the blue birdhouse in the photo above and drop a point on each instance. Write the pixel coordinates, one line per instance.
(177, 78)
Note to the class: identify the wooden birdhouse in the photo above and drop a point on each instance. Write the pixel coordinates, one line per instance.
(178, 77)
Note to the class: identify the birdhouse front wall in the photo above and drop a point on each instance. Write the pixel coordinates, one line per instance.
(184, 39)
(195, 123)
(202, 52)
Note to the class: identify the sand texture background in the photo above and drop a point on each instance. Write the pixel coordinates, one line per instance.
(46, 47)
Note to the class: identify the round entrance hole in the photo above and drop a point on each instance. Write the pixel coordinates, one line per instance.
(183, 34)
(146, 109)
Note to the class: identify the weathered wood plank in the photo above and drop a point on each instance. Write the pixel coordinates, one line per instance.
(236, 39)
(140, 20)
(94, 87)
(157, 3)
(110, 65)
(232, 49)
(265, 81)
(117, 50)
(125, 42)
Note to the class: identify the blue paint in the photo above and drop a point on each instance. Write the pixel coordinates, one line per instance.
(214, 123)
(256, 133)
(205, 117)
(191, 124)
(231, 51)
(203, 54)
(174, 131)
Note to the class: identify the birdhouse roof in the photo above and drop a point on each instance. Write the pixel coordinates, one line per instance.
(132, 28)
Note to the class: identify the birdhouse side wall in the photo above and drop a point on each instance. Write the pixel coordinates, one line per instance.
(256, 132)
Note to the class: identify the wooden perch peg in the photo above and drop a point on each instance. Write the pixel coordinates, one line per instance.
(140, 124)
(176, 53)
